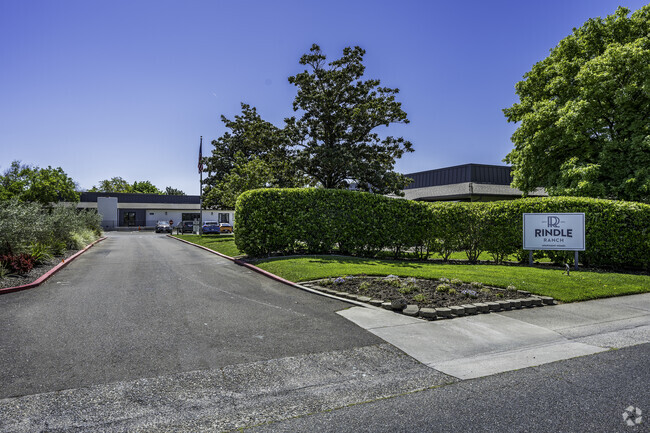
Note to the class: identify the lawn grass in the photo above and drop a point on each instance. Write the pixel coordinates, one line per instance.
(224, 244)
(579, 286)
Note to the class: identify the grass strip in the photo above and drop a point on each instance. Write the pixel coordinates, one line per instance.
(578, 286)
(224, 244)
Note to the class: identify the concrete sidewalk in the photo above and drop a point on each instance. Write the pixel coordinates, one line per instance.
(475, 346)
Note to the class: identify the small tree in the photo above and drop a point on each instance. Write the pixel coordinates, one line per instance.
(335, 139)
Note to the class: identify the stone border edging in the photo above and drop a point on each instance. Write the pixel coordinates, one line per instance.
(276, 277)
(450, 312)
(40, 280)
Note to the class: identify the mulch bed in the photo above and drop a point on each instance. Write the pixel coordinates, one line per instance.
(420, 292)
(36, 272)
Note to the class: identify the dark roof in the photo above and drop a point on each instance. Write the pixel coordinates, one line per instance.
(124, 197)
(477, 173)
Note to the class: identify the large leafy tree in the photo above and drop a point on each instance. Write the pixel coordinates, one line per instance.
(33, 184)
(584, 113)
(252, 146)
(335, 138)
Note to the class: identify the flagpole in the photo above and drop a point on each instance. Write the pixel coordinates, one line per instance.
(201, 187)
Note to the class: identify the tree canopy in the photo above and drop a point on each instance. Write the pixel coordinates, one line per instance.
(584, 113)
(173, 191)
(33, 184)
(333, 144)
(335, 137)
(118, 184)
(252, 146)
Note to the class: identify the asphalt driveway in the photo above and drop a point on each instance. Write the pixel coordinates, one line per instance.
(143, 305)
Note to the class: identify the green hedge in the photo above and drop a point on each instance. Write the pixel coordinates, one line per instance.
(321, 220)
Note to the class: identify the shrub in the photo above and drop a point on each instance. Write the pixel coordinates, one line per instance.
(442, 288)
(23, 224)
(18, 263)
(420, 297)
(320, 220)
(40, 252)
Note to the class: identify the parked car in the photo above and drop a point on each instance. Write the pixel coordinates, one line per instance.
(163, 226)
(185, 227)
(211, 227)
(225, 228)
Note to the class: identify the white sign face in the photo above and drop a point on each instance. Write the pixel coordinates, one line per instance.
(554, 231)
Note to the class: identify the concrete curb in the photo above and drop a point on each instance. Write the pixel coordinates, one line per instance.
(277, 278)
(51, 272)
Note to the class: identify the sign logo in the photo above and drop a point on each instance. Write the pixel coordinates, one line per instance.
(553, 221)
(632, 416)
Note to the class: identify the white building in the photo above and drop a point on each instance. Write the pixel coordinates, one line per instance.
(145, 210)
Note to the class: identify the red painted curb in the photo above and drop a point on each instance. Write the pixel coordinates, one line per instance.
(49, 273)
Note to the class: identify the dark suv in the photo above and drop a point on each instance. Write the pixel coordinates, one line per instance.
(185, 227)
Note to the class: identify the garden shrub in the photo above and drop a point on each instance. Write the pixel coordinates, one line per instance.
(321, 220)
(24, 224)
(18, 263)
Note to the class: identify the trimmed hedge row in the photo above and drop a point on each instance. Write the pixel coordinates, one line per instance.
(319, 220)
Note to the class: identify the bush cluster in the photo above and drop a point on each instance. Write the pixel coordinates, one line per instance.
(40, 231)
(17, 263)
(286, 221)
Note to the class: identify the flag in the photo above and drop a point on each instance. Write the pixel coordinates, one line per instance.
(201, 156)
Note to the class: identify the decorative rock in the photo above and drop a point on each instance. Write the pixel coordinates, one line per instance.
(505, 305)
(411, 310)
(363, 299)
(341, 294)
(526, 302)
(457, 311)
(547, 300)
(523, 292)
(386, 305)
(482, 308)
(444, 313)
(515, 303)
(376, 302)
(536, 302)
(470, 309)
(494, 306)
(398, 304)
(428, 313)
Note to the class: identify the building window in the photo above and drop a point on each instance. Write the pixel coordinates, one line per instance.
(224, 218)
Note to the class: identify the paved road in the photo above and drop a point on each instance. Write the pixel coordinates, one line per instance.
(587, 394)
(142, 305)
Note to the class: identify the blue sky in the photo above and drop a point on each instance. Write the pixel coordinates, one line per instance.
(125, 88)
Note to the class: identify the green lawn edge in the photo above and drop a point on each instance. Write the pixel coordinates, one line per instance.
(224, 244)
(578, 286)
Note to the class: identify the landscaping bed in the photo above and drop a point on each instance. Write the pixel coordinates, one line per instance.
(15, 280)
(424, 293)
